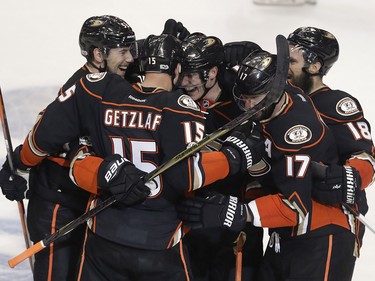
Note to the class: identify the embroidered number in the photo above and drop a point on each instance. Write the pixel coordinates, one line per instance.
(302, 160)
(359, 130)
(67, 94)
(138, 149)
(188, 132)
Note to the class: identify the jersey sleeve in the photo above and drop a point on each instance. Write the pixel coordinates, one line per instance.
(351, 130)
(183, 125)
(55, 126)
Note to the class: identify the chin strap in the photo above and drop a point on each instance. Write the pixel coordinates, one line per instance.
(206, 90)
(100, 69)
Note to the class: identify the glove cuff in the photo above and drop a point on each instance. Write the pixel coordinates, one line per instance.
(234, 160)
(237, 143)
(353, 184)
(17, 160)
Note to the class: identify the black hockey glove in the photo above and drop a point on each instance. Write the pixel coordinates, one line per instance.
(177, 29)
(214, 210)
(335, 184)
(243, 148)
(236, 52)
(14, 186)
(121, 178)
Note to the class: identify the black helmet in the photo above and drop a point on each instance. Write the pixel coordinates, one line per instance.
(255, 75)
(201, 53)
(161, 53)
(317, 44)
(104, 32)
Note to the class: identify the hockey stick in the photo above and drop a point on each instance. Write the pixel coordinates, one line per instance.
(320, 174)
(277, 89)
(9, 148)
(239, 245)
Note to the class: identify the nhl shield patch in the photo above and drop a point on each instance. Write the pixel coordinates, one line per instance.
(298, 134)
(346, 107)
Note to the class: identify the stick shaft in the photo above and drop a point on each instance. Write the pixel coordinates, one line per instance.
(9, 148)
(239, 246)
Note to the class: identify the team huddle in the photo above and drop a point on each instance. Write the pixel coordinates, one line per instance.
(299, 165)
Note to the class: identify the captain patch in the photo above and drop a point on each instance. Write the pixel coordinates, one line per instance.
(346, 107)
(298, 134)
(188, 102)
(95, 77)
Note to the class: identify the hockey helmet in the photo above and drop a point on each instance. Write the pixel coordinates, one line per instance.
(201, 53)
(161, 53)
(105, 32)
(254, 76)
(316, 44)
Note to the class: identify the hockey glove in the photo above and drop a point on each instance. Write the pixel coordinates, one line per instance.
(236, 52)
(214, 210)
(335, 184)
(14, 186)
(121, 178)
(177, 29)
(243, 148)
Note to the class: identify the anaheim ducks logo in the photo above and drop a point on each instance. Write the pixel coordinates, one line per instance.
(96, 23)
(188, 102)
(209, 42)
(346, 107)
(298, 134)
(329, 36)
(95, 77)
(265, 63)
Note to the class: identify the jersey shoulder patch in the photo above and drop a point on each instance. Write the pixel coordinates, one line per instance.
(337, 106)
(95, 77)
(347, 107)
(187, 102)
(298, 134)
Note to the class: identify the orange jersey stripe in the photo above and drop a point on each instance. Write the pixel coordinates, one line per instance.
(28, 157)
(85, 173)
(215, 165)
(365, 169)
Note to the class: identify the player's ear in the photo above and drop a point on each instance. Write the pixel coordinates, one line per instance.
(213, 72)
(98, 55)
(177, 73)
(314, 67)
(178, 68)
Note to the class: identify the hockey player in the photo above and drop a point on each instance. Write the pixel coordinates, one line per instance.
(313, 51)
(207, 79)
(54, 200)
(309, 240)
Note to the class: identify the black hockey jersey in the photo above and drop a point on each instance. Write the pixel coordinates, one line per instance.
(294, 138)
(148, 128)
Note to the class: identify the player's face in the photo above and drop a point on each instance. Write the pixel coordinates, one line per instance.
(193, 85)
(118, 60)
(249, 101)
(296, 74)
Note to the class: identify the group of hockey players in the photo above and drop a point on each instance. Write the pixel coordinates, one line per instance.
(299, 166)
